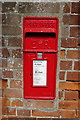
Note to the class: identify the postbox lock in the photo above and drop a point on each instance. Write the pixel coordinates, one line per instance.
(30, 74)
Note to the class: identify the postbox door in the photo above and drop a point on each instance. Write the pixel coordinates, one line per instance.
(43, 87)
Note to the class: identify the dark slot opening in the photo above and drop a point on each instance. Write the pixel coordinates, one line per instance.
(34, 34)
(78, 44)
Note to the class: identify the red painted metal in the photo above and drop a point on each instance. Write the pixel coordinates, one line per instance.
(40, 35)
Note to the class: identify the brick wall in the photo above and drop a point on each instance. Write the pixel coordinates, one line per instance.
(67, 102)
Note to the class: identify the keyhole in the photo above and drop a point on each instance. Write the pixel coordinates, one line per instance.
(30, 74)
(78, 44)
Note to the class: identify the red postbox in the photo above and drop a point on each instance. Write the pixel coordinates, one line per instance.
(40, 35)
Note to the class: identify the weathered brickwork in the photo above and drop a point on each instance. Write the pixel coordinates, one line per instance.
(67, 102)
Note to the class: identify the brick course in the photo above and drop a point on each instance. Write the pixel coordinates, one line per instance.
(73, 54)
(70, 42)
(39, 104)
(23, 112)
(8, 111)
(69, 86)
(12, 41)
(74, 31)
(68, 104)
(71, 19)
(12, 93)
(71, 95)
(11, 30)
(17, 102)
(66, 65)
(68, 113)
(75, 7)
(46, 114)
(66, 8)
(77, 65)
(74, 76)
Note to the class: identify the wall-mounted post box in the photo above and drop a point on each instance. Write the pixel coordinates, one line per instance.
(40, 35)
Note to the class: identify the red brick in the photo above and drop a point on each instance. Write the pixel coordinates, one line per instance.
(12, 41)
(11, 19)
(5, 102)
(77, 65)
(0, 112)
(4, 63)
(21, 7)
(73, 76)
(15, 42)
(0, 40)
(71, 19)
(39, 7)
(47, 114)
(11, 30)
(1, 53)
(66, 19)
(79, 103)
(15, 63)
(75, 7)
(3, 83)
(62, 54)
(69, 86)
(10, 63)
(75, 20)
(0, 25)
(7, 74)
(18, 103)
(68, 104)
(68, 113)
(8, 6)
(18, 63)
(0, 83)
(66, 65)
(73, 54)
(1, 117)
(40, 104)
(23, 112)
(62, 85)
(71, 95)
(70, 42)
(5, 53)
(62, 75)
(1, 72)
(16, 84)
(78, 113)
(0, 62)
(0, 102)
(74, 31)
(0, 6)
(66, 8)
(8, 111)
(0, 92)
(17, 53)
(12, 93)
